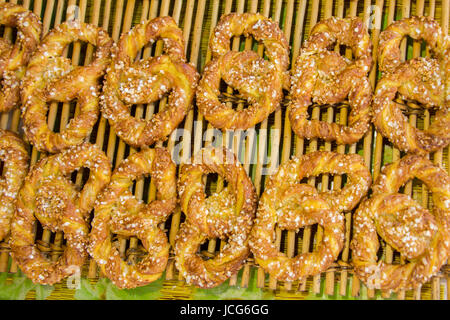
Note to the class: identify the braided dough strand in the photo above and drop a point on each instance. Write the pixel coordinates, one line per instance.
(14, 154)
(129, 82)
(290, 205)
(421, 236)
(259, 81)
(50, 78)
(118, 211)
(422, 80)
(225, 215)
(14, 57)
(50, 197)
(325, 77)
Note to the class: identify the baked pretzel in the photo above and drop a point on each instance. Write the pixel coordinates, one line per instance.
(49, 196)
(423, 80)
(418, 28)
(118, 211)
(420, 236)
(14, 154)
(14, 57)
(225, 215)
(291, 205)
(259, 81)
(51, 77)
(324, 77)
(147, 81)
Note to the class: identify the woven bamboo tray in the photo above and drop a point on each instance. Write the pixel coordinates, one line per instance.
(260, 150)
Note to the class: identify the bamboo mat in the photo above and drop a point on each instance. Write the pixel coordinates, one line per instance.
(260, 150)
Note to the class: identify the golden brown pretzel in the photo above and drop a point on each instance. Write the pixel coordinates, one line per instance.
(259, 81)
(48, 195)
(324, 77)
(263, 29)
(50, 78)
(421, 237)
(14, 57)
(147, 81)
(291, 205)
(118, 211)
(14, 154)
(419, 80)
(227, 214)
(418, 28)
(423, 80)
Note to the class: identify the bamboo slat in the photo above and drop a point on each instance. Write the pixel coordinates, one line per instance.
(260, 149)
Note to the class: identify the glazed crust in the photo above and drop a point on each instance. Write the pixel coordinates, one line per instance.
(225, 215)
(14, 57)
(422, 80)
(291, 205)
(49, 196)
(51, 78)
(14, 154)
(421, 236)
(118, 211)
(147, 81)
(324, 77)
(418, 28)
(259, 81)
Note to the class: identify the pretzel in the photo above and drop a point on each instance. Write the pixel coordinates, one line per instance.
(259, 81)
(147, 81)
(418, 28)
(118, 211)
(263, 30)
(51, 77)
(14, 57)
(421, 236)
(49, 196)
(423, 80)
(292, 205)
(323, 77)
(227, 214)
(14, 154)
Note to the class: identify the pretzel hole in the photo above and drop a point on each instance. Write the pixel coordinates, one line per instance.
(211, 247)
(80, 50)
(8, 33)
(213, 183)
(149, 50)
(60, 114)
(326, 181)
(305, 239)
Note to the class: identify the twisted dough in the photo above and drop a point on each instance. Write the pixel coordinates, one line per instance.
(49, 196)
(225, 215)
(14, 154)
(421, 237)
(291, 205)
(425, 80)
(50, 77)
(147, 81)
(117, 211)
(418, 28)
(14, 58)
(325, 77)
(259, 81)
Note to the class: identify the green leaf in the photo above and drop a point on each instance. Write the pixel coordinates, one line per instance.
(15, 288)
(104, 289)
(151, 291)
(227, 292)
(91, 290)
(42, 292)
